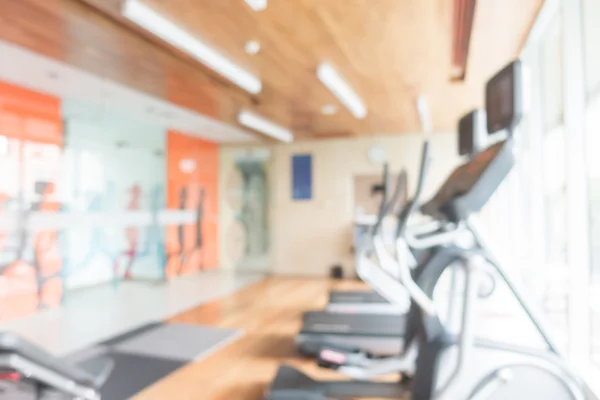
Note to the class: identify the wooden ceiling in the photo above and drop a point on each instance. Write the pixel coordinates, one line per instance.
(391, 51)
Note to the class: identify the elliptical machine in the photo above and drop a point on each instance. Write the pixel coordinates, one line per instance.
(359, 363)
(484, 369)
(449, 366)
(361, 301)
(380, 333)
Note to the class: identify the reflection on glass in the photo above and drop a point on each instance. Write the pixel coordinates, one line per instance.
(253, 213)
(247, 237)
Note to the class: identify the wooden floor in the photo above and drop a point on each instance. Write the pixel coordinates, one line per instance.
(269, 312)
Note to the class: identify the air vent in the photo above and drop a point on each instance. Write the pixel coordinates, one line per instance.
(462, 26)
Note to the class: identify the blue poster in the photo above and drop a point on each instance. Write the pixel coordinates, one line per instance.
(302, 177)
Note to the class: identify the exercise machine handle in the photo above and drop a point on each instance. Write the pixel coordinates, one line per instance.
(388, 284)
(383, 189)
(406, 212)
(389, 204)
(383, 186)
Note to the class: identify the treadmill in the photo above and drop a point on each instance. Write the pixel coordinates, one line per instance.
(29, 372)
(382, 334)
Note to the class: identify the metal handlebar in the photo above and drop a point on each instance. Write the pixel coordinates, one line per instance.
(401, 265)
(385, 185)
(387, 263)
(413, 204)
(436, 239)
(425, 228)
(385, 282)
(386, 206)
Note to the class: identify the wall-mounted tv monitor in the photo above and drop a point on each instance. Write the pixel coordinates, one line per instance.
(504, 98)
(472, 134)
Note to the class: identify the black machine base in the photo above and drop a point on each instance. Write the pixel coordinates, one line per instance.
(291, 384)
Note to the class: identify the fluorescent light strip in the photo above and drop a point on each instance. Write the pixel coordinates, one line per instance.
(257, 5)
(263, 125)
(341, 89)
(153, 22)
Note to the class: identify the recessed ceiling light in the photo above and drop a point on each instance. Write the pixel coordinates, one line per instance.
(257, 5)
(252, 47)
(328, 109)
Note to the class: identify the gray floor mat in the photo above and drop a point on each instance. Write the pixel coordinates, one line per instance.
(149, 353)
(132, 333)
(177, 341)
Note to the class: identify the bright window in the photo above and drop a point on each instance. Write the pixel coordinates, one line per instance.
(591, 36)
(551, 72)
(591, 30)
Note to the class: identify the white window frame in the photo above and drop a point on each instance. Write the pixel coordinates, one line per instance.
(574, 101)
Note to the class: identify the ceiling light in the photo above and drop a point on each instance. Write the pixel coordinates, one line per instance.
(328, 109)
(424, 114)
(342, 90)
(257, 5)
(155, 23)
(252, 47)
(263, 125)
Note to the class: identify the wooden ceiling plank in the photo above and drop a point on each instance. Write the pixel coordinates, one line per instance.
(390, 51)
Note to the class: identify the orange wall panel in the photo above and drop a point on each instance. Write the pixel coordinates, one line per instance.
(32, 123)
(193, 182)
(28, 115)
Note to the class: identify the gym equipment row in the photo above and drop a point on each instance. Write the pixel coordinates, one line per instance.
(434, 360)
